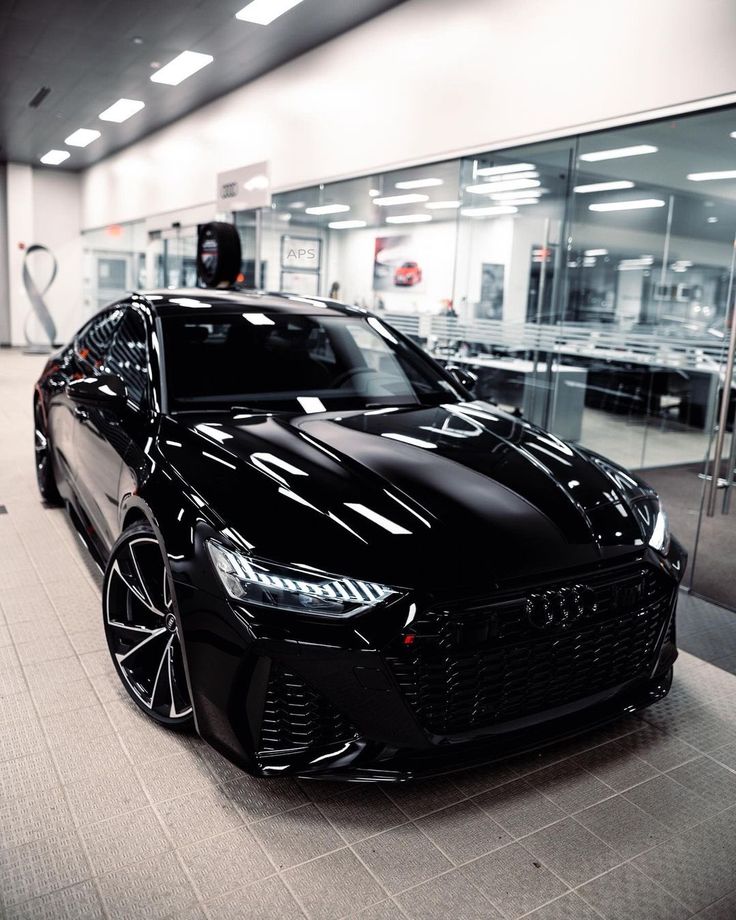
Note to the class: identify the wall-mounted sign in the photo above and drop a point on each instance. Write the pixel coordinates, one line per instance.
(300, 253)
(244, 188)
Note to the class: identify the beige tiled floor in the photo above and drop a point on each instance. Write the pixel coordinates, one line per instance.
(103, 814)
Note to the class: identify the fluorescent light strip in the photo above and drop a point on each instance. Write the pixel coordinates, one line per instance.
(509, 185)
(627, 205)
(181, 67)
(710, 176)
(501, 170)
(409, 219)
(595, 252)
(527, 174)
(489, 212)
(121, 110)
(263, 12)
(82, 137)
(54, 157)
(603, 187)
(618, 152)
(327, 209)
(527, 193)
(518, 201)
(442, 205)
(419, 183)
(346, 224)
(399, 199)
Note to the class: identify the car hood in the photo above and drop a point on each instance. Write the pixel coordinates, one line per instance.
(448, 496)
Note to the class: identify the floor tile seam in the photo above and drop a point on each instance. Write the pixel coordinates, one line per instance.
(38, 897)
(636, 868)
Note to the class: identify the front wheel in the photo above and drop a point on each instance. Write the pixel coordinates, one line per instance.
(141, 628)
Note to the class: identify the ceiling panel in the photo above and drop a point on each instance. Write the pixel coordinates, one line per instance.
(86, 54)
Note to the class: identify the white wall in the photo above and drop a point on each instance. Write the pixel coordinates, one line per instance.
(428, 79)
(43, 206)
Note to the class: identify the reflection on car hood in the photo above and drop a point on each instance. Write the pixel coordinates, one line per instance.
(459, 494)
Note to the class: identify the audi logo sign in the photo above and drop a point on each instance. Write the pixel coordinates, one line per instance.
(560, 608)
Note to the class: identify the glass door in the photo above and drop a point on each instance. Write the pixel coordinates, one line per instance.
(649, 299)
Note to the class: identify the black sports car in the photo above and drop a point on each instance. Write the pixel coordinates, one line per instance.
(330, 558)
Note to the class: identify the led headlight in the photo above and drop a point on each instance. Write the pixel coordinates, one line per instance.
(655, 522)
(258, 581)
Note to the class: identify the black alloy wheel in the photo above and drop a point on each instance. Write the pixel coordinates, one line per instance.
(44, 466)
(141, 628)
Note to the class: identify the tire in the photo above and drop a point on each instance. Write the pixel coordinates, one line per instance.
(218, 254)
(44, 463)
(142, 629)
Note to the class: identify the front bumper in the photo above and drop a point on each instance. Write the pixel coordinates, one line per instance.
(278, 694)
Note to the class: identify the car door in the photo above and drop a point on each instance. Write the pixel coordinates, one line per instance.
(103, 437)
(82, 358)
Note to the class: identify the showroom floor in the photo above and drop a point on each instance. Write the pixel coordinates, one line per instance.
(103, 814)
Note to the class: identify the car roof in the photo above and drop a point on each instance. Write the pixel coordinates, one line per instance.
(185, 301)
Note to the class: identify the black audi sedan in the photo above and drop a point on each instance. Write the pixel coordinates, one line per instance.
(326, 556)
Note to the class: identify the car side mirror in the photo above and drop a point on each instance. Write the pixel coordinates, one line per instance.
(464, 377)
(107, 391)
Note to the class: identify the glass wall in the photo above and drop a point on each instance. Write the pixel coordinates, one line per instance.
(114, 261)
(588, 282)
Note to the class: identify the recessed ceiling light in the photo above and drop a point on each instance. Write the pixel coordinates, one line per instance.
(419, 183)
(297, 205)
(409, 219)
(121, 110)
(732, 134)
(442, 205)
(595, 252)
(399, 199)
(712, 220)
(500, 170)
(263, 12)
(627, 205)
(603, 187)
(373, 192)
(346, 224)
(81, 137)
(54, 157)
(710, 176)
(508, 185)
(181, 67)
(489, 212)
(328, 209)
(618, 152)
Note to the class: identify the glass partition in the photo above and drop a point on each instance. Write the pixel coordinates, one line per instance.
(587, 281)
(114, 261)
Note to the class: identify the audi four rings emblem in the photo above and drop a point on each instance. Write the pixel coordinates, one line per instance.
(560, 608)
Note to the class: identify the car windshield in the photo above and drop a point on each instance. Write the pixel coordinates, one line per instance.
(294, 363)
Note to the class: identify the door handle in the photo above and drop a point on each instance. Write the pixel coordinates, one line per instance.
(80, 413)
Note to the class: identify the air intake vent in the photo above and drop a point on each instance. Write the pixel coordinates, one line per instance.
(39, 97)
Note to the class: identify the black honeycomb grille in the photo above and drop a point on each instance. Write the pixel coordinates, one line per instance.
(474, 667)
(295, 716)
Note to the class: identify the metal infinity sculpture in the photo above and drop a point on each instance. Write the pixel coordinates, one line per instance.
(39, 310)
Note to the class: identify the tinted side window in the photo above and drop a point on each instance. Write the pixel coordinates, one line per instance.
(128, 357)
(93, 341)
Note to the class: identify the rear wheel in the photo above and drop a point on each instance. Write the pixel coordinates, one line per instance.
(141, 628)
(44, 465)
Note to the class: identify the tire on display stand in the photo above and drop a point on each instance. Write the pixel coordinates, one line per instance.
(218, 254)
